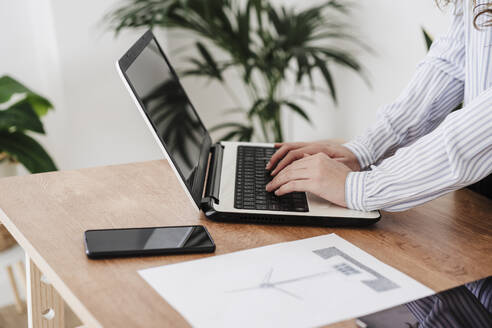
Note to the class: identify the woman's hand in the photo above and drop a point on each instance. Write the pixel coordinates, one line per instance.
(318, 174)
(289, 152)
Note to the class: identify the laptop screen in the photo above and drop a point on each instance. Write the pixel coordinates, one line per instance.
(168, 108)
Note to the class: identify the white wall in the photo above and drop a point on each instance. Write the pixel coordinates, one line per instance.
(104, 126)
(29, 53)
(393, 30)
(60, 49)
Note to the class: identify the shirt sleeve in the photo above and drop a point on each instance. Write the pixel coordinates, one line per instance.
(455, 307)
(436, 88)
(454, 155)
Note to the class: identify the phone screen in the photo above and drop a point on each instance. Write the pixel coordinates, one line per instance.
(144, 240)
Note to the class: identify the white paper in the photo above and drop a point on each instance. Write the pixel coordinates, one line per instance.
(304, 283)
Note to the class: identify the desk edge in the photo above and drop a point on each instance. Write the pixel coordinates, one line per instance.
(79, 309)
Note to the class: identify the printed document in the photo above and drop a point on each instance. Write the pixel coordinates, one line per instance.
(304, 283)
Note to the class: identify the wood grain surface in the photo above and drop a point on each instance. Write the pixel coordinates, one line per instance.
(442, 244)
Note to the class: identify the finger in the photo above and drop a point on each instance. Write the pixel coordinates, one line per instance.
(281, 177)
(290, 158)
(279, 153)
(284, 149)
(285, 177)
(303, 162)
(297, 164)
(333, 152)
(293, 186)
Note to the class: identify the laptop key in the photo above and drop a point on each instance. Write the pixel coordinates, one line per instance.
(251, 179)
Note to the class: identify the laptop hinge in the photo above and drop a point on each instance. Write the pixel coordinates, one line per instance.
(212, 188)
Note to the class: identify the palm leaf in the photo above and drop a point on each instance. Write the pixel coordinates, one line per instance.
(321, 65)
(230, 135)
(212, 64)
(9, 87)
(262, 40)
(40, 104)
(239, 131)
(427, 38)
(226, 125)
(296, 108)
(27, 151)
(20, 116)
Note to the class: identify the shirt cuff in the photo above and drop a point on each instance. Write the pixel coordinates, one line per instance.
(354, 190)
(361, 151)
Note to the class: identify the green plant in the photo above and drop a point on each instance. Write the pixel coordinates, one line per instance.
(18, 115)
(428, 38)
(269, 46)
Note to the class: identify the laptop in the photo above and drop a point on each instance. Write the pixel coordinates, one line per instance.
(226, 179)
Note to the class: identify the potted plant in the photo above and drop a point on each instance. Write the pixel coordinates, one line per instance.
(20, 113)
(268, 46)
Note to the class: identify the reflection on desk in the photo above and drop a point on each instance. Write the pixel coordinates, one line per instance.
(469, 305)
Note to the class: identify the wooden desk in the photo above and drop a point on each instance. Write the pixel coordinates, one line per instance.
(442, 244)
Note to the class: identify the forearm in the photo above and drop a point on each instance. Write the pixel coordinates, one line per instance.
(456, 154)
(430, 96)
(435, 89)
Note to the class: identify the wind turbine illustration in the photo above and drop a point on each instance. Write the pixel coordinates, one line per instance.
(351, 266)
(266, 283)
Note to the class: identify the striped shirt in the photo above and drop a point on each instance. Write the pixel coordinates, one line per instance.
(465, 306)
(418, 150)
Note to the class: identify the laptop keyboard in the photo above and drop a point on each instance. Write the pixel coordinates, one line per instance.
(251, 179)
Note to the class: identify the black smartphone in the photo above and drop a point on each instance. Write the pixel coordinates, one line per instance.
(107, 243)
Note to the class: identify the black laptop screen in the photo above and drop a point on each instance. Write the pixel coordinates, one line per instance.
(168, 109)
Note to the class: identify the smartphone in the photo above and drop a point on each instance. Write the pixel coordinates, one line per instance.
(148, 241)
